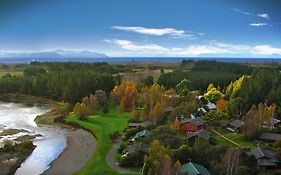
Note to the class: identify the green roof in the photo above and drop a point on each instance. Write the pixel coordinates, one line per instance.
(193, 169)
(143, 133)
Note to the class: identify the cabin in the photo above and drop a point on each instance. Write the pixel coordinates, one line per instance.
(132, 125)
(141, 134)
(265, 158)
(193, 124)
(269, 137)
(271, 123)
(203, 134)
(137, 147)
(234, 126)
(191, 168)
(211, 106)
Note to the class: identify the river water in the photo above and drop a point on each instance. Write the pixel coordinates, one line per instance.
(49, 144)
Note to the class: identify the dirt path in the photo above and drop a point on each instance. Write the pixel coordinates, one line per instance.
(81, 146)
(110, 159)
(227, 139)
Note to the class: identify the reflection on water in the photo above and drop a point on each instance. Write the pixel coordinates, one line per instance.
(49, 146)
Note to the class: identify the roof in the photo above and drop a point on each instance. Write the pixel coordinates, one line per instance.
(236, 123)
(134, 124)
(273, 121)
(270, 136)
(143, 133)
(264, 157)
(202, 110)
(204, 134)
(131, 148)
(211, 105)
(193, 169)
(195, 121)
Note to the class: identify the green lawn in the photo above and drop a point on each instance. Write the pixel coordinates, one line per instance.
(101, 125)
(236, 137)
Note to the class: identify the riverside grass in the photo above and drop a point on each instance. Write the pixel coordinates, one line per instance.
(101, 125)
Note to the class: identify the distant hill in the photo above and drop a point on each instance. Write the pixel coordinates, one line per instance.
(52, 55)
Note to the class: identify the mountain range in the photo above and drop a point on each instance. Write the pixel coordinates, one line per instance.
(54, 54)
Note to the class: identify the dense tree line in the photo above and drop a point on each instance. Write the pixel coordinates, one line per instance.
(205, 72)
(68, 85)
(198, 79)
(214, 66)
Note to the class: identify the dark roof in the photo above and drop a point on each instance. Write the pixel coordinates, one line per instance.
(236, 124)
(270, 136)
(131, 148)
(264, 157)
(193, 169)
(195, 121)
(134, 124)
(204, 134)
(273, 121)
(185, 120)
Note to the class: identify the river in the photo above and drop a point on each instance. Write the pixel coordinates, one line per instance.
(50, 142)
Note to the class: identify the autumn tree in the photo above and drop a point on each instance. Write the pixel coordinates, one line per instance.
(231, 161)
(210, 87)
(154, 105)
(134, 115)
(159, 160)
(60, 108)
(91, 102)
(175, 126)
(157, 113)
(125, 95)
(221, 105)
(213, 95)
(81, 110)
(256, 118)
(233, 88)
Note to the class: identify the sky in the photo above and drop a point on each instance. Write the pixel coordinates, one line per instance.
(184, 28)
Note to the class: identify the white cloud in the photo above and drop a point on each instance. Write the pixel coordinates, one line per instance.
(241, 11)
(258, 24)
(174, 33)
(195, 50)
(264, 15)
(129, 45)
(265, 50)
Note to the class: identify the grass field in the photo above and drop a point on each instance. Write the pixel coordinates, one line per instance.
(102, 125)
(236, 137)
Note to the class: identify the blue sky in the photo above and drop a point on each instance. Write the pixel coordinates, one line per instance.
(225, 28)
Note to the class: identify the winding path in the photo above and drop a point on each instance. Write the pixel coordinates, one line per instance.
(110, 159)
(81, 146)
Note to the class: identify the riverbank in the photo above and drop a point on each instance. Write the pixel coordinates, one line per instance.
(12, 158)
(27, 100)
(79, 150)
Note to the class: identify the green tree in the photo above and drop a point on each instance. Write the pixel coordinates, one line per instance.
(102, 100)
(183, 87)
